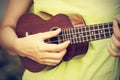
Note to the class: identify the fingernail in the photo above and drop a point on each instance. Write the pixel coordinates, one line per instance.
(59, 29)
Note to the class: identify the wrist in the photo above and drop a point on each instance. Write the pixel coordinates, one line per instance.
(17, 47)
(12, 48)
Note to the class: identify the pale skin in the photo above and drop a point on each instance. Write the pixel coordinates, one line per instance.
(34, 46)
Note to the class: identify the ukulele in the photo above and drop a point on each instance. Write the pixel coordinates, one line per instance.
(79, 36)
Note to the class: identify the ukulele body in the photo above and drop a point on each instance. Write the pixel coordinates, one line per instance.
(33, 24)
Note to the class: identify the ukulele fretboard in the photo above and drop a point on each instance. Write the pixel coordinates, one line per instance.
(86, 33)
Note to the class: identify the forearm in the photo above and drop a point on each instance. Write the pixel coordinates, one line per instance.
(8, 39)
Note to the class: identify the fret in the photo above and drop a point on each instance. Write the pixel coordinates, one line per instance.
(84, 34)
(89, 34)
(97, 36)
(63, 34)
(101, 31)
(79, 34)
(69, 34)
(95, 32)
(78, 29)
(76, 33)
(107, 34)
(106, 30)
(73, 41)
(111, 24)
(105, 25)
(60, 36)
(92, 32)
(66, 36)
(85, 38)
(110, 31)
(104, 36)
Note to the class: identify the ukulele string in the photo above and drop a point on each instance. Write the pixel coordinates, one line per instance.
(81, 37)
(73, 35)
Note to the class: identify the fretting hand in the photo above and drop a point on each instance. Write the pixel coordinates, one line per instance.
(115, 38)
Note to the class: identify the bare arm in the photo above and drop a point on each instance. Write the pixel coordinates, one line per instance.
(15, 9)
(32, 46)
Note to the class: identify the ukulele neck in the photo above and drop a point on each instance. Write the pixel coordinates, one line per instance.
(86, 33)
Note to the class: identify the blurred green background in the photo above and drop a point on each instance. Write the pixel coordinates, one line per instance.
(10, 67)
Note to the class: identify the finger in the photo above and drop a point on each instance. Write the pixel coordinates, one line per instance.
(116, 41)
(116, 30)
(54, 55)
(118, 19)
(46, 61)
(51, 62)
(49, 34)
(53, 47)
(112, 52)
(52, 58)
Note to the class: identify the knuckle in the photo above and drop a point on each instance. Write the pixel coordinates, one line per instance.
(57, 62)
(61, 47)
(42, 57)
(58, 58)
(41, 61)
(115, 55)
(40, 48)
(53, 64)
(118, 45)
(118, 37)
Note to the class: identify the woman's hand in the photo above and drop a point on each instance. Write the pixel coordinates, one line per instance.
(115, 38)
(34, 47)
